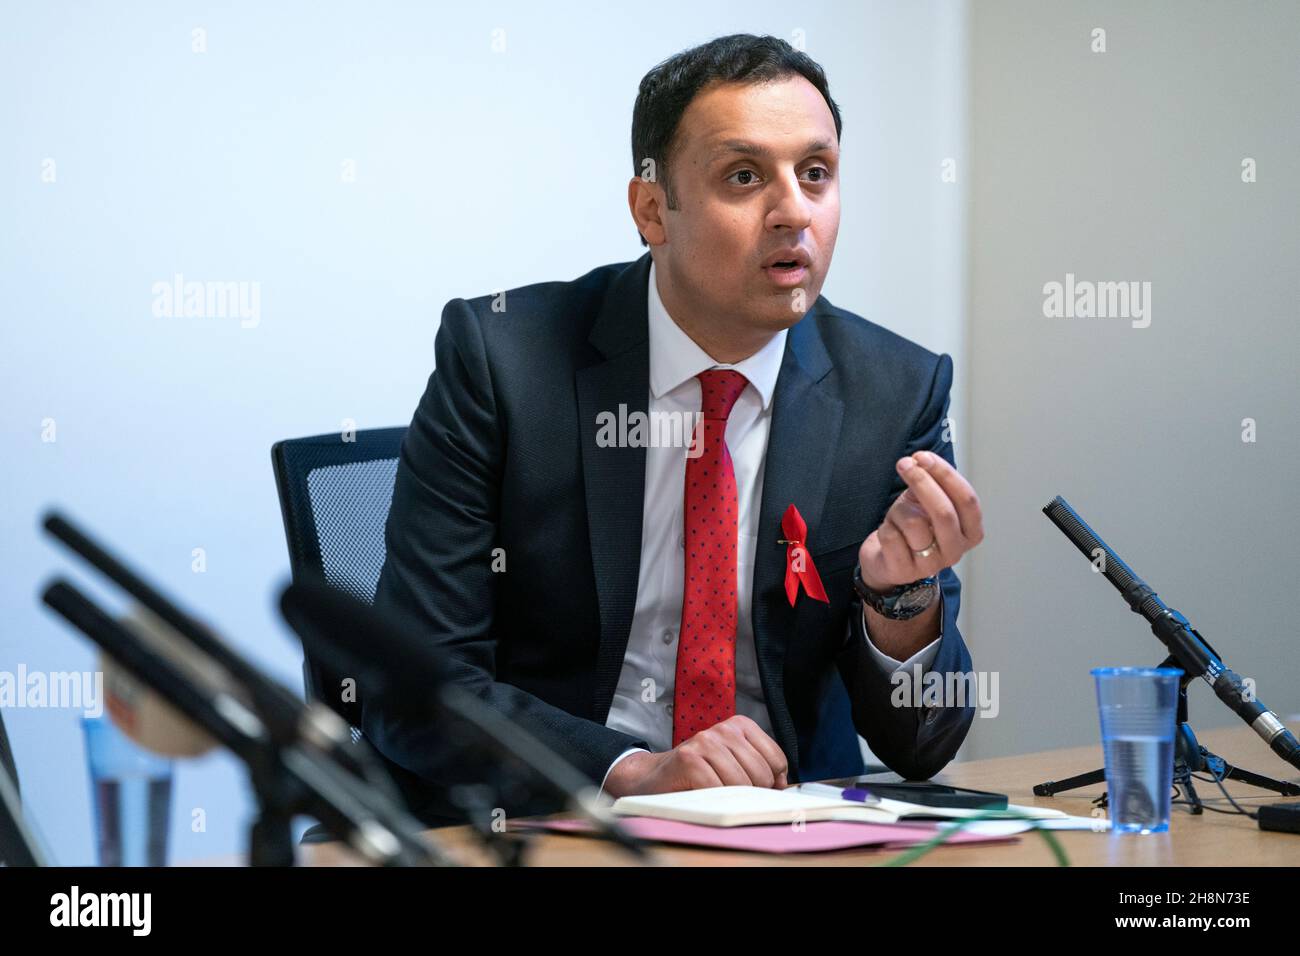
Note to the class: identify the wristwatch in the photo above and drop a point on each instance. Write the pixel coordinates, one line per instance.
(898, 603)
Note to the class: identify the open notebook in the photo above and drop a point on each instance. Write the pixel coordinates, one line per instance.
(745, 806)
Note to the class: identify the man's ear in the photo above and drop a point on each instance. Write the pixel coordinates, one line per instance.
(645, 200)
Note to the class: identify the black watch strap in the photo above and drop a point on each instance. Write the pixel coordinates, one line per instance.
(899, 603)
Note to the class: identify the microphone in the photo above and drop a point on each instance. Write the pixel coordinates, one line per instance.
(218, 713)
(288, 778)
(278, 707)
(142, 714)
(1185, 644)
(182, 638)
(382, 649)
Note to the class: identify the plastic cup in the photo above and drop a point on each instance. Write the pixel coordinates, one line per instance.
(131, 789)
(1138, 706)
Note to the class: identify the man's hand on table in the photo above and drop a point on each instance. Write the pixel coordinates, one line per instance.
(735, 752)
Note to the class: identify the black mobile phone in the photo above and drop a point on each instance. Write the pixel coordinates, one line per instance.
(933, 794)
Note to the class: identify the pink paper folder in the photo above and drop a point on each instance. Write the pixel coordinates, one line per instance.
(816, 836)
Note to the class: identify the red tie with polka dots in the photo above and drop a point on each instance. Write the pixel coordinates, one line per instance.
(705, 688)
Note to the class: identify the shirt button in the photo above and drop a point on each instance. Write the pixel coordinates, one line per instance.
(669, 637)
(669, 707)
(681, 542)
(932, 715)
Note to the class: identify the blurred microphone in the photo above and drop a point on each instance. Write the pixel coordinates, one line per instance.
(176, 688)
(1185, 643)
(139, 711)
(183, 640)
(388, 657)
(288, 778)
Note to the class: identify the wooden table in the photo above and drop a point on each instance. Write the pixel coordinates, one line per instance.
(1210, 839)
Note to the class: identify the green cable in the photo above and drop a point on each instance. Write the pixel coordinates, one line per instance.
(918, 851)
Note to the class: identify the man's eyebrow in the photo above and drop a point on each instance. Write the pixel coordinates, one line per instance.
(754, 149)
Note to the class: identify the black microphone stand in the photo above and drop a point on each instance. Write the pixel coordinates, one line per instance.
(1190, 652)
(1189, 757)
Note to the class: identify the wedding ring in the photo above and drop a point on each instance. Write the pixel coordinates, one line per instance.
(929, 549)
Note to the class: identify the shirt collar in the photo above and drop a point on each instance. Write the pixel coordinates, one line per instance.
(675, 358)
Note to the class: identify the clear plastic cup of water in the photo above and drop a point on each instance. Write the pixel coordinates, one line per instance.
(1138, 707)
(131, 789)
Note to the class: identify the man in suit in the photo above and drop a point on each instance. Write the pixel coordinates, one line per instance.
(654, 611)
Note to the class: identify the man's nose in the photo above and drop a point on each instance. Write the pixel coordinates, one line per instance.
(792, 209)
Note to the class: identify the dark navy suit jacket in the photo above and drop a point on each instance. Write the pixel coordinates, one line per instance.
(502, 453)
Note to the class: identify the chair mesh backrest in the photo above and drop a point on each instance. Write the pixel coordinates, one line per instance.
(349, 504)
(334, 497)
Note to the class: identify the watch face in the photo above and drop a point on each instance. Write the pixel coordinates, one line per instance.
(917, 599)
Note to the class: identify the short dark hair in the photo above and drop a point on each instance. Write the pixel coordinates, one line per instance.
(668, 89)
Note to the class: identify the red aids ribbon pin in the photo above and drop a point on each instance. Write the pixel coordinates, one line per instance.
(798, 562)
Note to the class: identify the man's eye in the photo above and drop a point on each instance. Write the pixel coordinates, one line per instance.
(822, 170)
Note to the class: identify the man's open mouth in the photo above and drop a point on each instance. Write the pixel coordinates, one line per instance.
(789, 260)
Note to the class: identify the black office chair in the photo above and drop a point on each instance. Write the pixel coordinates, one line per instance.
(334, 497)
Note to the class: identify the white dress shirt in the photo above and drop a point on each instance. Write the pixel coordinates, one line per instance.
(643, 701)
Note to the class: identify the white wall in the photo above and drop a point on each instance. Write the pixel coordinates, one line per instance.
(475, 170)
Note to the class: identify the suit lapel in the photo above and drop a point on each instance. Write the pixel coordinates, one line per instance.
(806, 418)
(614, 477)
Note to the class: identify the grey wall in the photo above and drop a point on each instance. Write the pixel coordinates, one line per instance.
(1126, 165)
